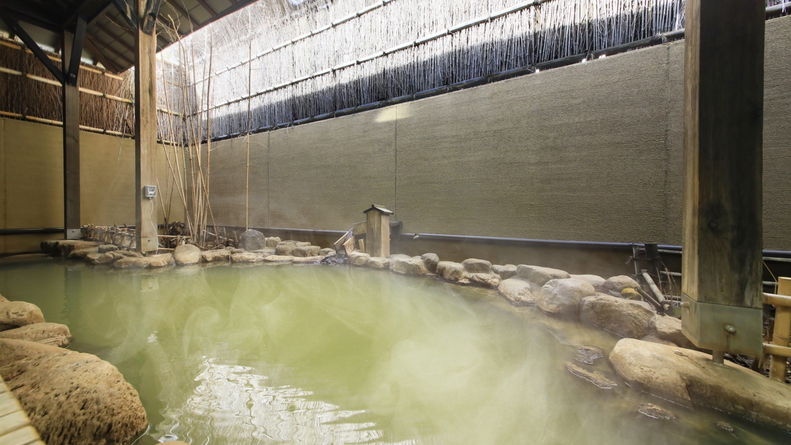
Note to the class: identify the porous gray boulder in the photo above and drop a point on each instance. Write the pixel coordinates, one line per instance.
(450, 271)
(668, 329)
(14, 314)
(187, 254)
(306, 251)
(408, 266)
(540, 275)
(561, 297)
(54, 334)
(358, 258)
(627, 318)
(247, 257)
(89, 402)
(691, 378)
(211, 256)
(285, 248)
(251, 240)
(516, 291)
(505, 271)
(619, 283)
(484, 279)
(377, 262)
(430, 260)
(595, 280)
(475, 265)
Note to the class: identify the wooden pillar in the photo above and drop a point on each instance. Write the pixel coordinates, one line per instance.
(723, 124)
(145, 133)
(71, 146)
(377, 231)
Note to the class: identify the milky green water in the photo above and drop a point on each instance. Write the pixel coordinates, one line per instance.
(339, 355)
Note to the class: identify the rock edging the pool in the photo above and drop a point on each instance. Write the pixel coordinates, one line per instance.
(610, 304)
(69, 397)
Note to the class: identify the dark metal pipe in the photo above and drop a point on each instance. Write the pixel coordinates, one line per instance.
(36, 231)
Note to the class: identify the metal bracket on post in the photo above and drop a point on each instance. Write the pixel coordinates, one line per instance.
(722, 328)
(150, 16)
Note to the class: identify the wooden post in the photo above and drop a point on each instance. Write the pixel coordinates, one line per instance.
(377, 231)
(71, 146)
(723, 123)
(782, 331)
(145, 132)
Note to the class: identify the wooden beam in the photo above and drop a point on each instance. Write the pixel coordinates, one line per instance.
(723, 124)
(782, 331)
(111, 49)
(76, 53)
(208, 8)
(174, 4)
(145, 133)
(7, 17)
(71, 140)
(114, 37)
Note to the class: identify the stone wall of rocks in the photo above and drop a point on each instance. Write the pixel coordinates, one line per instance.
(69, 397)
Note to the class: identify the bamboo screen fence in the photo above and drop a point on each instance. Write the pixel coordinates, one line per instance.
(275, 63)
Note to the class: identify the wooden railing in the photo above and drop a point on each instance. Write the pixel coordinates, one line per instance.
(778, 349)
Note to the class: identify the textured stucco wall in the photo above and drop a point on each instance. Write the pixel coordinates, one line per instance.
(31, 181)
(589, 152)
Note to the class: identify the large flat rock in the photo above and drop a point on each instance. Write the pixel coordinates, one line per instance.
(690, 378)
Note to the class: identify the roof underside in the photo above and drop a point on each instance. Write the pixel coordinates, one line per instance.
(109, 38)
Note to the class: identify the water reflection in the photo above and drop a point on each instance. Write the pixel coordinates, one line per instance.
(235, 405)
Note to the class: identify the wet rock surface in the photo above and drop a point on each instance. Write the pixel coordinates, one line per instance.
(588, 354)
(595, 280)
(655, 412)
(516, 291)
(285, 248)
(505, 271)
(210, 256)
(475, 265)
(377, 262)
(561, 297)
(540, 275)
(335, 260)
(484, 279)
(691, 378)
(88, 403)
(53, 334)
(358, 258)
(14, 314)
(408, 266)
(620, 282)
(306, 251)
(450, 270)
(669, 329)
(430, 260)
(247, 257)
(626, 318)
(595, 377)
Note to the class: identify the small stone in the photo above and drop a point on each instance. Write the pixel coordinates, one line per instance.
(252, 240)
(484, 279)
(19, 313)
(450, 270)
(430, 260)
(540, 275)
(475, 265)
(358, 258)
(210, 256)
(247, 257)
(306, 251)
(272, 242)
(655, 412)
(408, 266)
(594, 377)
(187, 254)
(285, 248)
(725, 426)
(279, 259)
(516, 291)
(588, 354)
(507, 271)
(377, 262)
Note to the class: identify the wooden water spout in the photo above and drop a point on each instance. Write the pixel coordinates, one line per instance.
(377, 231)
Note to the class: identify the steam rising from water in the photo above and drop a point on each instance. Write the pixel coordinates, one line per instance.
(320, 355)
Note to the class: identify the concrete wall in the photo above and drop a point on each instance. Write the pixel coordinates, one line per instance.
(590, 152)
(31, 182)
